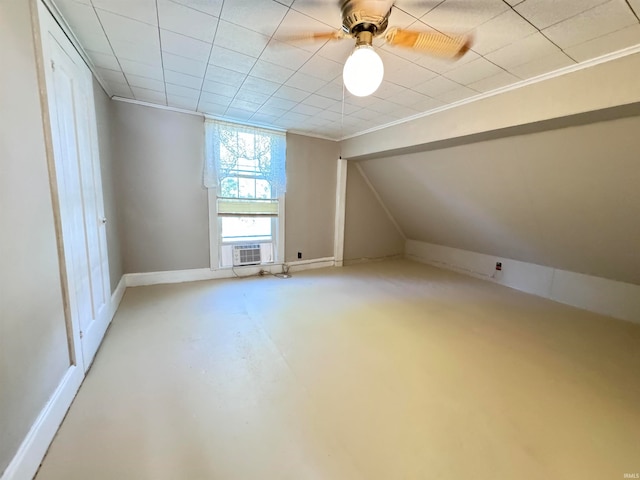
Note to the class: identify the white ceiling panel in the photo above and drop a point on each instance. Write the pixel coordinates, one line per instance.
(523, 51)
(187, 21)
(240, 39)
(239, 59)
(238, 62)
(611, 42)
(505, 29)
(544, 13)
(142, 10)
(184, 46)
(264, 20)
(601, 20)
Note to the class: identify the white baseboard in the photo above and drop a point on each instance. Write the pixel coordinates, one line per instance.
(27, 459)
(29, 456)
(359, 261)
(600, 295)
(198, 274)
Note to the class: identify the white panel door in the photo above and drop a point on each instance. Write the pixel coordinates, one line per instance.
(79, 189)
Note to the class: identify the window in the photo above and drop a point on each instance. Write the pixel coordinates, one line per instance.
(245, 174)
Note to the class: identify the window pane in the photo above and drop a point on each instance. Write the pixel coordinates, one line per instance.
(263, 189)
(245, 229)
(247, 187)
(229, 188)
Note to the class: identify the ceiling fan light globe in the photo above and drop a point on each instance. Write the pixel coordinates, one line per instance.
(363, 71)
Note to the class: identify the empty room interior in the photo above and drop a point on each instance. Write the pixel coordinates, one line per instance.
(319, 239)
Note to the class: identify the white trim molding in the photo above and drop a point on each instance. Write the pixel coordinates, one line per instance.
(600, 295)
(199, 274)
(341, 205)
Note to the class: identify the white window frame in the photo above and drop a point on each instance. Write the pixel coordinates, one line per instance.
(215, 239)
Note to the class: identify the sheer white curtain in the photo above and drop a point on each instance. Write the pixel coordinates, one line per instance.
(227, 143)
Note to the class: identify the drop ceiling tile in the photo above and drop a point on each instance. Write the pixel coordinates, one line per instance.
(332, 90)
(383, 106)
(119, 89)
(408, 98)
(473, 71)
(322, 68)
(181, 102)
(387, 89)
(240, 39)
(305, 82)
(319, 101)
(219, 89)
(401, 19)
(186, 21)
(544, 13)
(249, 96)
(211, 7)
(542, 65)
(635, 5)
(177, 78)
(523, 51)
(513, 3)
(409, 75)
(271, 111)
(222, 75)
(238, 104)
(428, 104)
(403, 112)
(338, 51)
(103, 60)
(85, 24)
(184, 46)
(495, 81)
(125, 29)
(142, 69)
(312, 16)
(606, 18)
(263, 19)
(280, 103)
(344, 108)
(97, 42)
(149, 96)
(442, 65)
(211, 109)
(111, 76)
(263, 118)
(145, 82)
(137, 52)
(461, 16)
(306, 109)
(285, 55)
(414, 9)
(295, 117)
(182, 91)
(291, 93)
(258, 85)
(213, 98)
(239, 114)
(611, 42)
(436, 86)
(183, 64)
(457, 94)
(330, 116)
(360, 101)
(506, 28)
(270, 71)
(239, 62)
(141, 10)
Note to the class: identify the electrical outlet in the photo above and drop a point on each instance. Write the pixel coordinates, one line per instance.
(498, 266)
(299, 254)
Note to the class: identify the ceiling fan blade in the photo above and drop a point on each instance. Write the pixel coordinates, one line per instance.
(435, 43)
(312, 36)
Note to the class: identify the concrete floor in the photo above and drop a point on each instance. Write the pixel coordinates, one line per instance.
(389, 370)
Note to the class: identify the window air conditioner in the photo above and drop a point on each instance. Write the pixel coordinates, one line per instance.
(246, 255)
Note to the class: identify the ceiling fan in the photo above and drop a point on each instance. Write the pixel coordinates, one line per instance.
(365, 20)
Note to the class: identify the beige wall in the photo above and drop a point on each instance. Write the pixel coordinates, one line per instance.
(162, 205)
(33, 343)
(566, 198)
(311, 197)
(104, 117)
(368, 231)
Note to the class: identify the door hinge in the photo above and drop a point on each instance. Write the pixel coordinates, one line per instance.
(81, 334)
(53, 65)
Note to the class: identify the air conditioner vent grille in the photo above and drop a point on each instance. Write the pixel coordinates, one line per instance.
(246, 255)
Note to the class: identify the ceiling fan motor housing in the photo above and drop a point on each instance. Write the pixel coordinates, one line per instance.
(359, 16)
